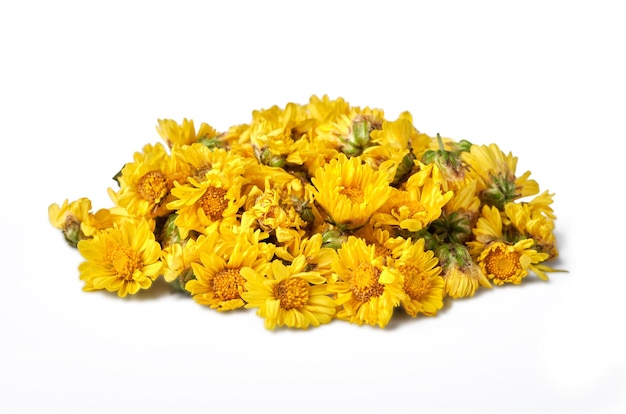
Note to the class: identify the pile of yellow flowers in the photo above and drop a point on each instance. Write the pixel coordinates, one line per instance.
(311, 213)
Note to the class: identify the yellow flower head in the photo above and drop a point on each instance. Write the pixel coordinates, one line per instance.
(462, 276)
(517, 224)
(488, 229)
(122, 259)
(275, 132)
(289, 295)
(145, 183)
(393, 143)
(421, 280)
(495, 175)
(178, 257)
(214, 196)
(506, 263)
(366, 289)
(530, 221)
(77, 221)
(350, 131)
(385, 246)
(318, 258)
(275, 208)
(219, 281)
(175, 134)
(349, 191)
(415, 207)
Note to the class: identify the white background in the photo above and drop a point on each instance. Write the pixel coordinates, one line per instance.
(81, 88)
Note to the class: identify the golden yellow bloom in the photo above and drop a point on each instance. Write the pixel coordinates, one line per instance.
(488, 229)
(392, 143)
(495, 175)
(413, 208)
(215, 196)
(77, 221)
(385, 245)
(349, 191)
(145, 183)
(461, 274)
(219, 282)
(326, 110)
(350, 130)
(532, 221)
(506, 263)
(174, 133)
(274, 134)
(318, 258)
(274, 208)
(178, 257)
(198, 160)
(289, 295)
(366, 290)
(122, 259)
(421, 280)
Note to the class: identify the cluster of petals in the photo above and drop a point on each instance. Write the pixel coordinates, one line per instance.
(311, 213)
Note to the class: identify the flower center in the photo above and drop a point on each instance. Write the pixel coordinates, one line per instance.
(152, 186)
(414, 208)
(228, 284)
(415, 281)
(501, 264)
(125, 261)
(292, 293)
(355, 194)
(364, 283)
(381, 251)
(213, 202)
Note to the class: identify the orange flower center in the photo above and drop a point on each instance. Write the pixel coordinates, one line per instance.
(502, 264)
(152, 186)
(364, 283)
(355, 194)
(292, 293)
(213, 202)
(125, 262)
(416, 282)
(228, 284)
(412, 208)
(381, 251)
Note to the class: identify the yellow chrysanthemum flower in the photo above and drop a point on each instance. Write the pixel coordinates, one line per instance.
(76, 220)
(395, 143)
(289, 295)
(274, 208)
(275, 132)
(349, 191)
(487, 230)
(350, 131)
(318, 258)
(199, 204)
(531, 222)
(219, 283)
(385, 245)
(178, 257)
(145, 183)
(326, 110)
(495, 175)
(122, 259)
(175, 134)
(366, 289)
(506, 263)
(421, 280)
(414, 207)
(215, 196)
(502, 259)
(461, 275)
